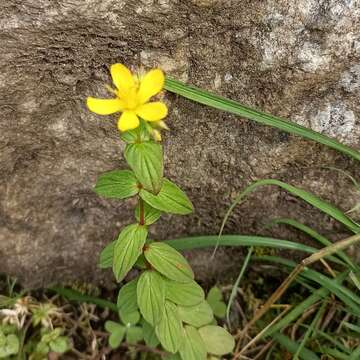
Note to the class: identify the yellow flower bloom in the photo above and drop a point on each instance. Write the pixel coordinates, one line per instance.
(132, 98)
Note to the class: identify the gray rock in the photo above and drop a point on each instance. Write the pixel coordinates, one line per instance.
(294, 59)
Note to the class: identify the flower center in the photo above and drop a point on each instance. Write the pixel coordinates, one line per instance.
(130, 98)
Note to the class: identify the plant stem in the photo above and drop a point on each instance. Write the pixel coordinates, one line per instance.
(21, 354)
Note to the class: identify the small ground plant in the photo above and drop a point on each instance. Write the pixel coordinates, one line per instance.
(30, 329)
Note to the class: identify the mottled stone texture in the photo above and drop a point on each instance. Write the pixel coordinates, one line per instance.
(298, 59)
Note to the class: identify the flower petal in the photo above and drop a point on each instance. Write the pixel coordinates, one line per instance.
(122, 78)
(128, 121)
(150, 85)
(153, 111)
(104, 106)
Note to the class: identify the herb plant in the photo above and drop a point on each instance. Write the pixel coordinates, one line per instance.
(163, 304)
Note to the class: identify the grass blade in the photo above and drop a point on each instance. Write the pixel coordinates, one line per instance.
(77, 296)
(346, 295)
(292, 346)
(312, 233)
(355, 280)
(306, 196)
(231, 106)
(303, 306)
(236, 285)
(334, 353)
(310, 330)
(331, 337)
(355, 354)
(352, 327)
(197, 242)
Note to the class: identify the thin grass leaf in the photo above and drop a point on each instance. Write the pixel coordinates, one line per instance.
(355, 279)
(306, 285)
(310, 330)
(352, 179)
(231, 106)
(352, 327)
(355, 208)
(299, 309)
(312, 233)
(292, 347)
(269, 354)
(334, 353)
(331, 338)
(237, 282)
(77, 296)
(346, 295)
(355, 355)
(306, 196)
(197, 242)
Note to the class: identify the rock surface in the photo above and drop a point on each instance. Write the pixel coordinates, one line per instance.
(294, 59)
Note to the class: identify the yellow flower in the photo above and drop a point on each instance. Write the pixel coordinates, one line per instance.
(132, 98)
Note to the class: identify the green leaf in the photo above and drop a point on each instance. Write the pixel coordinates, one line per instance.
(186, 294)
(193, 347)
(134, 334)
(151, 296)
(173, 357)
(168, 262)
(130, 318)
(214, 295)
(6, 329)
(217, 340)
(118, 184)
(149, 334)
(127, 297)
(117, 333)
(42, 348)
(219, 309)
(198, 315)
(59, 345)
(47, 336)
(151, 214)
(128, 248)
(6, 301)
(146, 160)
(214, 299)
(137, 135)
(170, 331)
(234, 107)
(170, 199)
(141, 262)
(9, 345)
(106, 256)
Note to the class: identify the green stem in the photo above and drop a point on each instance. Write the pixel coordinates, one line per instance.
(21, 354)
